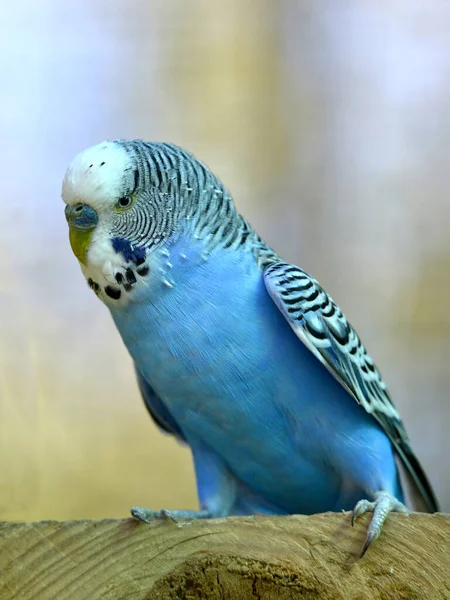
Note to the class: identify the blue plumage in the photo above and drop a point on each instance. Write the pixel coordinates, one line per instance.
(236, 379)
(130, 252)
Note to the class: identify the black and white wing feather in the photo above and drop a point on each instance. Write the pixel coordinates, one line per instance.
(321, 326)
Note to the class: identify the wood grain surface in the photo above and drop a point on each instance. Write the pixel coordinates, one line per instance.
(248, 557)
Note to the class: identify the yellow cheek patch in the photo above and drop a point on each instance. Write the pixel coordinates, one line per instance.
(80, 240)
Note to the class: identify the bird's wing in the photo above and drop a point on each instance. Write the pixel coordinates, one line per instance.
(321, 326)
(157, 409)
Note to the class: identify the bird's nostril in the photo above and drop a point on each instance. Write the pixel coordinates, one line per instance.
(81, 216)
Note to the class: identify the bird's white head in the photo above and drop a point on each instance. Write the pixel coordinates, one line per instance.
(96, 176)
(99, 189)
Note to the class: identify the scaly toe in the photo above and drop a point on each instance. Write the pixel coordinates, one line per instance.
(148, 516)
(167, 515)
(145, 514)
(383, 504)
(362, 507)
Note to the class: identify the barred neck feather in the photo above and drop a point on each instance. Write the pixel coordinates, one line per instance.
(198, 197)
(218, 222)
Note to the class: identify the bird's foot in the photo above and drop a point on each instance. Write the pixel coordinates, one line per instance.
(383, 504)
(147, 515)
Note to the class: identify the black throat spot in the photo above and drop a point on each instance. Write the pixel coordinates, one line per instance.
(112, 292)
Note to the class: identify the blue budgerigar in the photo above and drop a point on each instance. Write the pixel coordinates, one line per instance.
(239, 354)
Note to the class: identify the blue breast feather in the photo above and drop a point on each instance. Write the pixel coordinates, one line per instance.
(228, 371)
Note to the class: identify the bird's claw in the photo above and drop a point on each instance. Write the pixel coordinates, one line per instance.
(383, 504)
(147, 516)
(362, 507)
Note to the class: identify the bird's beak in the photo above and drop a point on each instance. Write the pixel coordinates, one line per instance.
(82, 220)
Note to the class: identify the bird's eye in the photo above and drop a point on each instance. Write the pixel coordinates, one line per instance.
(124, 203)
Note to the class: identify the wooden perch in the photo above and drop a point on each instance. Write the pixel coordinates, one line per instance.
(276, 558)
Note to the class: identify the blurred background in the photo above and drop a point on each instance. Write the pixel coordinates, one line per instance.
(330, 124)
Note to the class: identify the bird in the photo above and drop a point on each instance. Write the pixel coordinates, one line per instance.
(238, 354)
